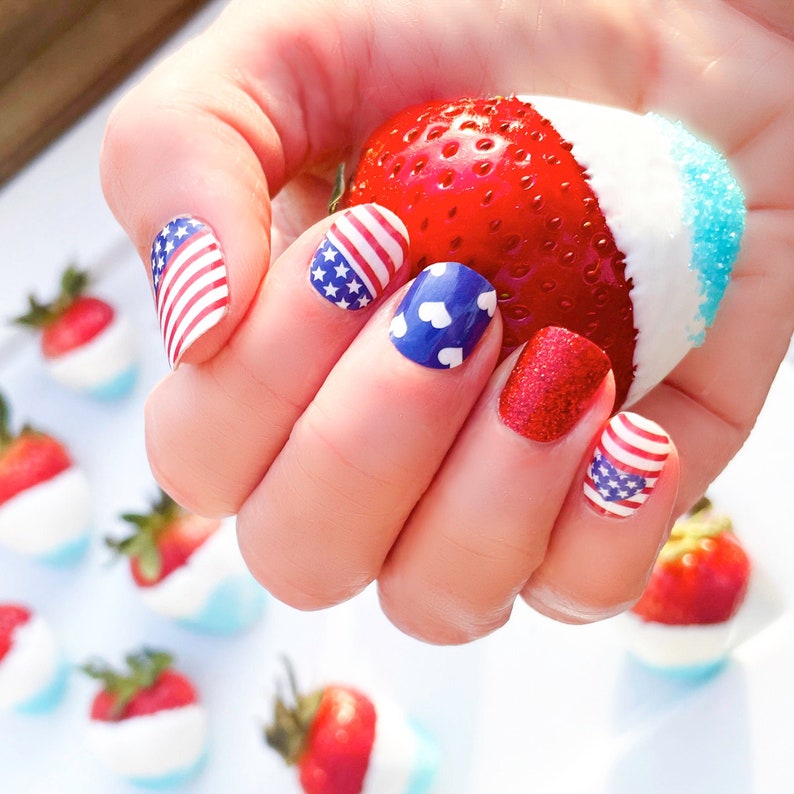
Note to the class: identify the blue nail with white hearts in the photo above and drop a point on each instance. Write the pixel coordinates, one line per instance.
(443, 315)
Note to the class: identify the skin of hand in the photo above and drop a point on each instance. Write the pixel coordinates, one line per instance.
(344, 462)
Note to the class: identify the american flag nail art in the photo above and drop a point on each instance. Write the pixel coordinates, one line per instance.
(190, 284)
(626, 464)
(358, 256)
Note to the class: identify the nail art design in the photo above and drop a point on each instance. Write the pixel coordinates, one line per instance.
(359, 255)
(190, 285)
(443, 315)
(552, 384)
(626, 464)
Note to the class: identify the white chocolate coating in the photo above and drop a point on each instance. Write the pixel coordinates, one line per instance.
(676, 647)
(109, 354)
(185, 591)
(31, 663)
(151, 745)
(47, 516)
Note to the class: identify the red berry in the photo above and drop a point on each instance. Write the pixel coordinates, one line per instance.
(11, 616)
(163, 540)
(29, 459)
(339, 743)
(148, 686)
(491, 184)
(76, 326)
(700, 577)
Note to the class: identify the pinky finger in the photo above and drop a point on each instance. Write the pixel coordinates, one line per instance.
(611, 527)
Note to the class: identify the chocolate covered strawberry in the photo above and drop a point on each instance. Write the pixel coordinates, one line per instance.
(45, 501)
(344, 742)
(683, 622)
(85, 343)
(147, 723)
(620, 227)
(33, 671)
(189, 568)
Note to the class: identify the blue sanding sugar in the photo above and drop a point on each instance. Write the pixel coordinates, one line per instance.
(714, 211)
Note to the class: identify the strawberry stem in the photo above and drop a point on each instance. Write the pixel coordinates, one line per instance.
(6, 436)
(338, 191)
(73, 283)
(141, 545)
(143, 670)
(289, 731)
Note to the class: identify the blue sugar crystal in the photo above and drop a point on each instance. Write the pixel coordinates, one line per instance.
(714, 211)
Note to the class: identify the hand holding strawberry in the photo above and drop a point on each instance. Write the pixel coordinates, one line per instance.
(85, 343)
(344, 462)
(45, 501)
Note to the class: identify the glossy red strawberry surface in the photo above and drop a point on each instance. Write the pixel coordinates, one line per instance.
(11, 616)
(339, 743)
(700, 577)
(29, 459)
(171, 690)
(77, 325)
(491, 184)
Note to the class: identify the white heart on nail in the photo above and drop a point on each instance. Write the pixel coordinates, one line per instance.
(487, 302)
(450, 356)
(398, 327)
(435, 313)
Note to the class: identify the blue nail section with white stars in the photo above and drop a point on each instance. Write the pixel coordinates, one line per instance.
(358, 256)
(443, 315)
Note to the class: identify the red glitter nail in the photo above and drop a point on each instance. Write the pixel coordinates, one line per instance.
(552, 384)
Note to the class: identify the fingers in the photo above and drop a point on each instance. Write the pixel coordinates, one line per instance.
(318, 527)
(212, 430)
(513, 510)
(483, 526)
(611, 526)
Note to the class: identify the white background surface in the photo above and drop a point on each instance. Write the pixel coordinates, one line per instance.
(538, 707)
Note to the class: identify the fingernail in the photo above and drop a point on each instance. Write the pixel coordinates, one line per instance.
(190, 284)
(626, 464)
(443, 315)
(552, 384)
(359, 255)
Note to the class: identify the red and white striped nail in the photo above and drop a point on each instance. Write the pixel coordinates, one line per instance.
(626, 464)
(359, 255)
(190, 283)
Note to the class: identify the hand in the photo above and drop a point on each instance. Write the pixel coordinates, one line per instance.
(344, 461)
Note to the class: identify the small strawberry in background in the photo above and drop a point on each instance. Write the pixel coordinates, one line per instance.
(684, 623)
(45, 500)
(86, 344)
(147, 723)
(344, 742)
(618, 226)
(33, 670)
(189, 568)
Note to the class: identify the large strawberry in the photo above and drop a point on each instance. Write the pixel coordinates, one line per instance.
(33, 673)
(344, 742)
(620, 227)
(700, 580)
(44, 497)
(189, 568)
(85, 343)
(146, 722)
